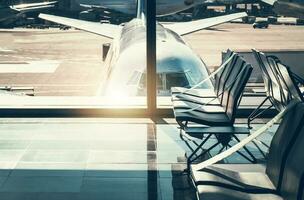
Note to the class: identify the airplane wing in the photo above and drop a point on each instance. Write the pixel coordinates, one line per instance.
(106, 30)
(184, 28)
(269, 2)
(27, 7)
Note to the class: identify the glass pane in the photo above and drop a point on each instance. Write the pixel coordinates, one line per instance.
(62, 62)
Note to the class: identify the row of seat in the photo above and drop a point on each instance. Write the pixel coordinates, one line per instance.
(284, 175)
(216, 112)
(214, 107)
(280, 86)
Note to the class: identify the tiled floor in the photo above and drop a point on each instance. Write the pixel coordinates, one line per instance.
(93, 159)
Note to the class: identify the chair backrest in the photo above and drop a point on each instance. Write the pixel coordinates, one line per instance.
(265, 75)
(292, 181)
(236, 86)
(273, 87)
(222, 76)
(282, 141)
(291, 89)
(234, 71)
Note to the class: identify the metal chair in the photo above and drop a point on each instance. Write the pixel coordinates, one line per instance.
(283, 177)
(289, 83)
(219, 83)
(220, 118)
(273, 88)
(216, 103)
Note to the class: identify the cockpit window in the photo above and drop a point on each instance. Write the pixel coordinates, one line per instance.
(176, 79)
(165, 81)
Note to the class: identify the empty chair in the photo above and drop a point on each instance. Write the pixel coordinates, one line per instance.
(286, 77)
(274, 87)
(224, 85)
(282, 179)
(219, 82)
(218, 119)
(223, 115)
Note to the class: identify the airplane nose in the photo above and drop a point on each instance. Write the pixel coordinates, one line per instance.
(188, 2)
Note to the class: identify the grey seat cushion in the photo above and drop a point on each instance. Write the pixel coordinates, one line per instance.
(230, 178)
(211, 119)
(209, 192)
(242, 167)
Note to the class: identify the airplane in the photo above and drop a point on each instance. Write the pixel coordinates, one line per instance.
(114, 9)
(119, 11)
(129, 7)
(10, 13)
(288, 8)
(125, 63)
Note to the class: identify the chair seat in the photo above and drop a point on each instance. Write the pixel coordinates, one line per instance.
(202, 93)
(198, 100)
(184, 105)
(208, 192)
(242, 180)
(227, 183)
(210, 119)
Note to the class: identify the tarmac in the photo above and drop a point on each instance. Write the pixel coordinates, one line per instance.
(69, 62)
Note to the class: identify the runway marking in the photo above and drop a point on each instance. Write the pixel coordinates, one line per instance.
(44, 66)
(19, 57)
(6, 50)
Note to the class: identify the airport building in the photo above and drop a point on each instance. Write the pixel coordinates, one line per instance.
(204, 109)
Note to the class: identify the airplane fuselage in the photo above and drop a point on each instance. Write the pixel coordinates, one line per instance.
(291, 8)
(177, 64)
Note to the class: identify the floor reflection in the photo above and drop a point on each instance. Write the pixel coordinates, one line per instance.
(94, 159)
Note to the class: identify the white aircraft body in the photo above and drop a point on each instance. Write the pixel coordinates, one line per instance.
(177, 64)
(288, 8)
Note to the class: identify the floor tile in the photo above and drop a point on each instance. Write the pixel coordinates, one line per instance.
(49, 169)
(55, 156)
(42, 184)
(123, 186)
(122, 157)
(116, 170)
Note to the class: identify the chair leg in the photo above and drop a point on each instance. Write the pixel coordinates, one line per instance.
(257, 112)
(260, 150)
(202, 154)
(187, 140)
(254, 160)
(198, 148)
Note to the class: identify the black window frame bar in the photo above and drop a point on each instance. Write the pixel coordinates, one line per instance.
(151, 56)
